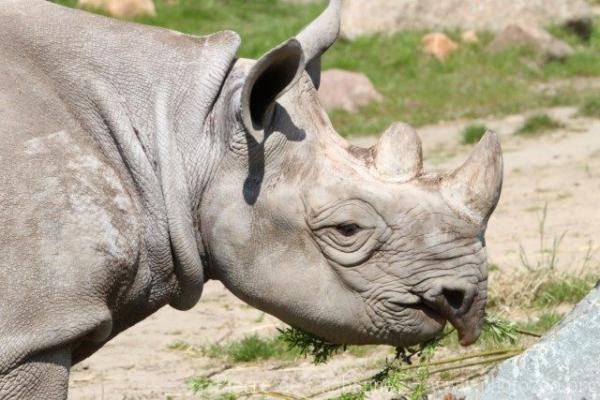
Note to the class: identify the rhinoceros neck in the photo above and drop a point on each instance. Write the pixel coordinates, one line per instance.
(144, 95)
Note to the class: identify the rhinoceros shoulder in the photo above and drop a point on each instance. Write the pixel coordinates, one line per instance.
(68, 200)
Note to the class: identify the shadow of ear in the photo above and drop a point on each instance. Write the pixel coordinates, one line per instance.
(256, 153)
(256, 168)
(292, 132)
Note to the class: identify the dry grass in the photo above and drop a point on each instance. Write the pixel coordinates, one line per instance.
(540, 281)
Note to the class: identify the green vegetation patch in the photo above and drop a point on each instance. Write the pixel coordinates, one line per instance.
(308, 344)
(563, 290)
(537, 124)
(202, 383)
(251, 348)
(591, 107)
(473, 133)
(542, 324)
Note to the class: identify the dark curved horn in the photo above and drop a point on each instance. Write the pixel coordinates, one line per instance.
(317, 37)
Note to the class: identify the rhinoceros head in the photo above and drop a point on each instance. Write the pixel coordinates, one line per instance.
(353, 245)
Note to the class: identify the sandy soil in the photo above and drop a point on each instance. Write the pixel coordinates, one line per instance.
(561, 169)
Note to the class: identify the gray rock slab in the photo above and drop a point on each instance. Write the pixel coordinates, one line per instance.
(565, 364)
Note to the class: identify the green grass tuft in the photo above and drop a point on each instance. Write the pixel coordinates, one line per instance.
(473, 133)
(180, 346)
(542, 324)
(499, 330)
(563, 290)
(537, 124)
(202, 383)
(251, 348)
(591, 107)
(308, 344)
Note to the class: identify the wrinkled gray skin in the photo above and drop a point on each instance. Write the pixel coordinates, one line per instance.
(136, 163)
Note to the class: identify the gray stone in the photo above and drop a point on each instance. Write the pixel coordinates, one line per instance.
(539, 39)
(563, 365)
(363, 17)
(346, 90)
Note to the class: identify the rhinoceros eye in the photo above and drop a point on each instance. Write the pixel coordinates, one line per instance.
(348, 229)
(348, 232)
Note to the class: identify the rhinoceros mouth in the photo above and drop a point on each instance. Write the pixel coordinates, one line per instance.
(468, 327)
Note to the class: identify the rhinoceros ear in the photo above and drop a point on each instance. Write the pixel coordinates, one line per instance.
(271, 76)
(317, 37)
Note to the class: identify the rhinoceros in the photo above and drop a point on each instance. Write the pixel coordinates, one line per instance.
(136, 163)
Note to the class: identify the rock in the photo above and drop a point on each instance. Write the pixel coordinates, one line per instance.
(122, 8)
(563, 365)
(469, 37)
(363, 17)
(438, 45)
(346, 90)
(540, 40)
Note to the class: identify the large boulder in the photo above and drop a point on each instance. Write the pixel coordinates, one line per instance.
(122, 8)
(361, 17)
(345, 90)
(537, 38)
(563, 365)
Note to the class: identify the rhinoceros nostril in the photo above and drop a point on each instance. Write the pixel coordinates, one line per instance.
(451, 298)
(454, 297)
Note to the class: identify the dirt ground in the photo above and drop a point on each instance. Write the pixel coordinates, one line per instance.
(560, 169)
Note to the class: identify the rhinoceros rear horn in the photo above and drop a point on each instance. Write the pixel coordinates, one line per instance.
(474, 187)
(398, 155)
(317, 37)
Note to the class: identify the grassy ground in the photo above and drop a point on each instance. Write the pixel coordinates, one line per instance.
(591, 107)
(417, 88)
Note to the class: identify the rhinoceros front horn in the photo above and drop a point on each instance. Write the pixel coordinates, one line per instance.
(398, 155)
(474, 187)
